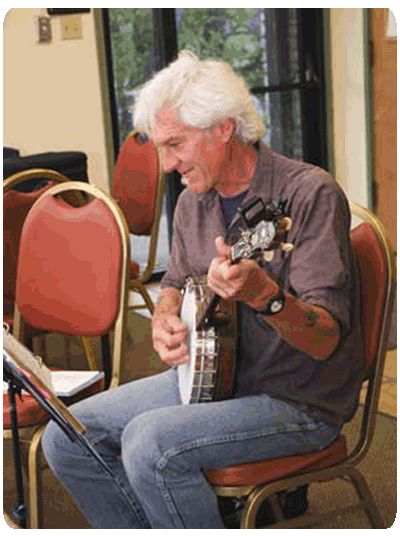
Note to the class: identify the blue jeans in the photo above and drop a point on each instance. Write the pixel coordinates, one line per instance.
(158, 450)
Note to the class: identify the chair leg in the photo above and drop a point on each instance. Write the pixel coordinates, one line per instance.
(141, 289)
(10, 522)
(35, 480)
(42, 346)
(90, 356)
(253, 503)
(106, 360)
(147, 299)
(365, 495)
(67, 340)
(276, 503)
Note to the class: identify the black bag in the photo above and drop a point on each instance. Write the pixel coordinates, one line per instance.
(72, 164)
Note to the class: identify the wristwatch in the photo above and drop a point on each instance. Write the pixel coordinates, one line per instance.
(274, 305)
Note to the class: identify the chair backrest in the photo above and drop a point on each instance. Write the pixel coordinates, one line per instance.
(138, 183)
(73, 266)
(16, 205)
(376, 265)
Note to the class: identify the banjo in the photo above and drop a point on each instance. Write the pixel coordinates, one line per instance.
(212, 322)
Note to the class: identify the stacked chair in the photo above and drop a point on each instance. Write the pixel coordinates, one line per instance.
(138, 188)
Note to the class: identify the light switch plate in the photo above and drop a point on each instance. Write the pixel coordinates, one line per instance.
(71, 27)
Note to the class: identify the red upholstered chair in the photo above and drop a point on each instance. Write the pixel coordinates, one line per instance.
(138, 188)
(266, 479)
(72, 279)
(20, 191)
(16, 205)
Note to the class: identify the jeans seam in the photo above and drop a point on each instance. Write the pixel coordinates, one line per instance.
(228, 438)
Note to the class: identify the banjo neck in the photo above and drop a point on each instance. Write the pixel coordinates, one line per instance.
(266, 226)
(206, 314)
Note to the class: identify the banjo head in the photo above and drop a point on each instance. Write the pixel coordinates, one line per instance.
(200, 377)
(196, 375)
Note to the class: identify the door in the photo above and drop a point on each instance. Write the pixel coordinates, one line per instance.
(384, 111)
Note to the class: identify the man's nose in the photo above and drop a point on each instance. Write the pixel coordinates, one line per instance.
(170, 161)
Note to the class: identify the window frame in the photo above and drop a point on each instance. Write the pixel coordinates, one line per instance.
(314, 110)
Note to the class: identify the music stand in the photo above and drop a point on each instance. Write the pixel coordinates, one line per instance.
(20, 374)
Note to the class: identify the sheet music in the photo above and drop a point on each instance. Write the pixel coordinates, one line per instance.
(67, 383)
(40, 383)
(62, 383)
(24, 358)
(70, 382)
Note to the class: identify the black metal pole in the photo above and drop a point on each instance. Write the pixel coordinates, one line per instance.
(20, 511)
(12, 374)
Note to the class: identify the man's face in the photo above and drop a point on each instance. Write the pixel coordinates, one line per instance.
(198, 155)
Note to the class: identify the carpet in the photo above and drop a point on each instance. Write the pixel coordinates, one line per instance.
(379, 466)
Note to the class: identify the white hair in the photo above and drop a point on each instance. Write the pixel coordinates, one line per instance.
(202, 93)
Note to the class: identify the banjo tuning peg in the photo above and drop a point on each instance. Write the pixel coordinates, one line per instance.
(287, 223)
(286, 246)
(268, 255)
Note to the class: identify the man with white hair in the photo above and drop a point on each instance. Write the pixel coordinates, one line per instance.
(299, 373)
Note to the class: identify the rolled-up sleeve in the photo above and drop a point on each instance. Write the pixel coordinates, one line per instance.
(322, 270)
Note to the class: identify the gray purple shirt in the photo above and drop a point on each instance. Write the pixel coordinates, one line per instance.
(319, 270)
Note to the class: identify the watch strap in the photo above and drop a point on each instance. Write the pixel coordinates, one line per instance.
(274, 305)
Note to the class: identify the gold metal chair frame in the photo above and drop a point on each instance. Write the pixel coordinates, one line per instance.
(346, 469)
(34, 173)
(35, 432)
(138, 284)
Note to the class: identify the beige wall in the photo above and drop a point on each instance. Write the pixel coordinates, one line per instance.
(348, 113)
(52, 97)
(51, 91)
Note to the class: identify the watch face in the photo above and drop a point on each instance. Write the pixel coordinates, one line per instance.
(276, 306)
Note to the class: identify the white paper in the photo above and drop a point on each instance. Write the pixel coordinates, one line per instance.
(70, 382)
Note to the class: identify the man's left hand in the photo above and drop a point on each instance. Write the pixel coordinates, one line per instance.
(243, 281)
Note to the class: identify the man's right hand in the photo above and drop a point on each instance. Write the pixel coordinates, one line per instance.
(169, 335)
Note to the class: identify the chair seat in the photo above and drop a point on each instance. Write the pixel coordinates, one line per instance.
(253, 474)
(30, 411)
(134, 270)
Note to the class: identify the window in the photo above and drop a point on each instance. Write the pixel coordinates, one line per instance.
(279, 53)
(262, 46)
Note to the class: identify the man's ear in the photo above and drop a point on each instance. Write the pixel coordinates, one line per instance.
(225, 129)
